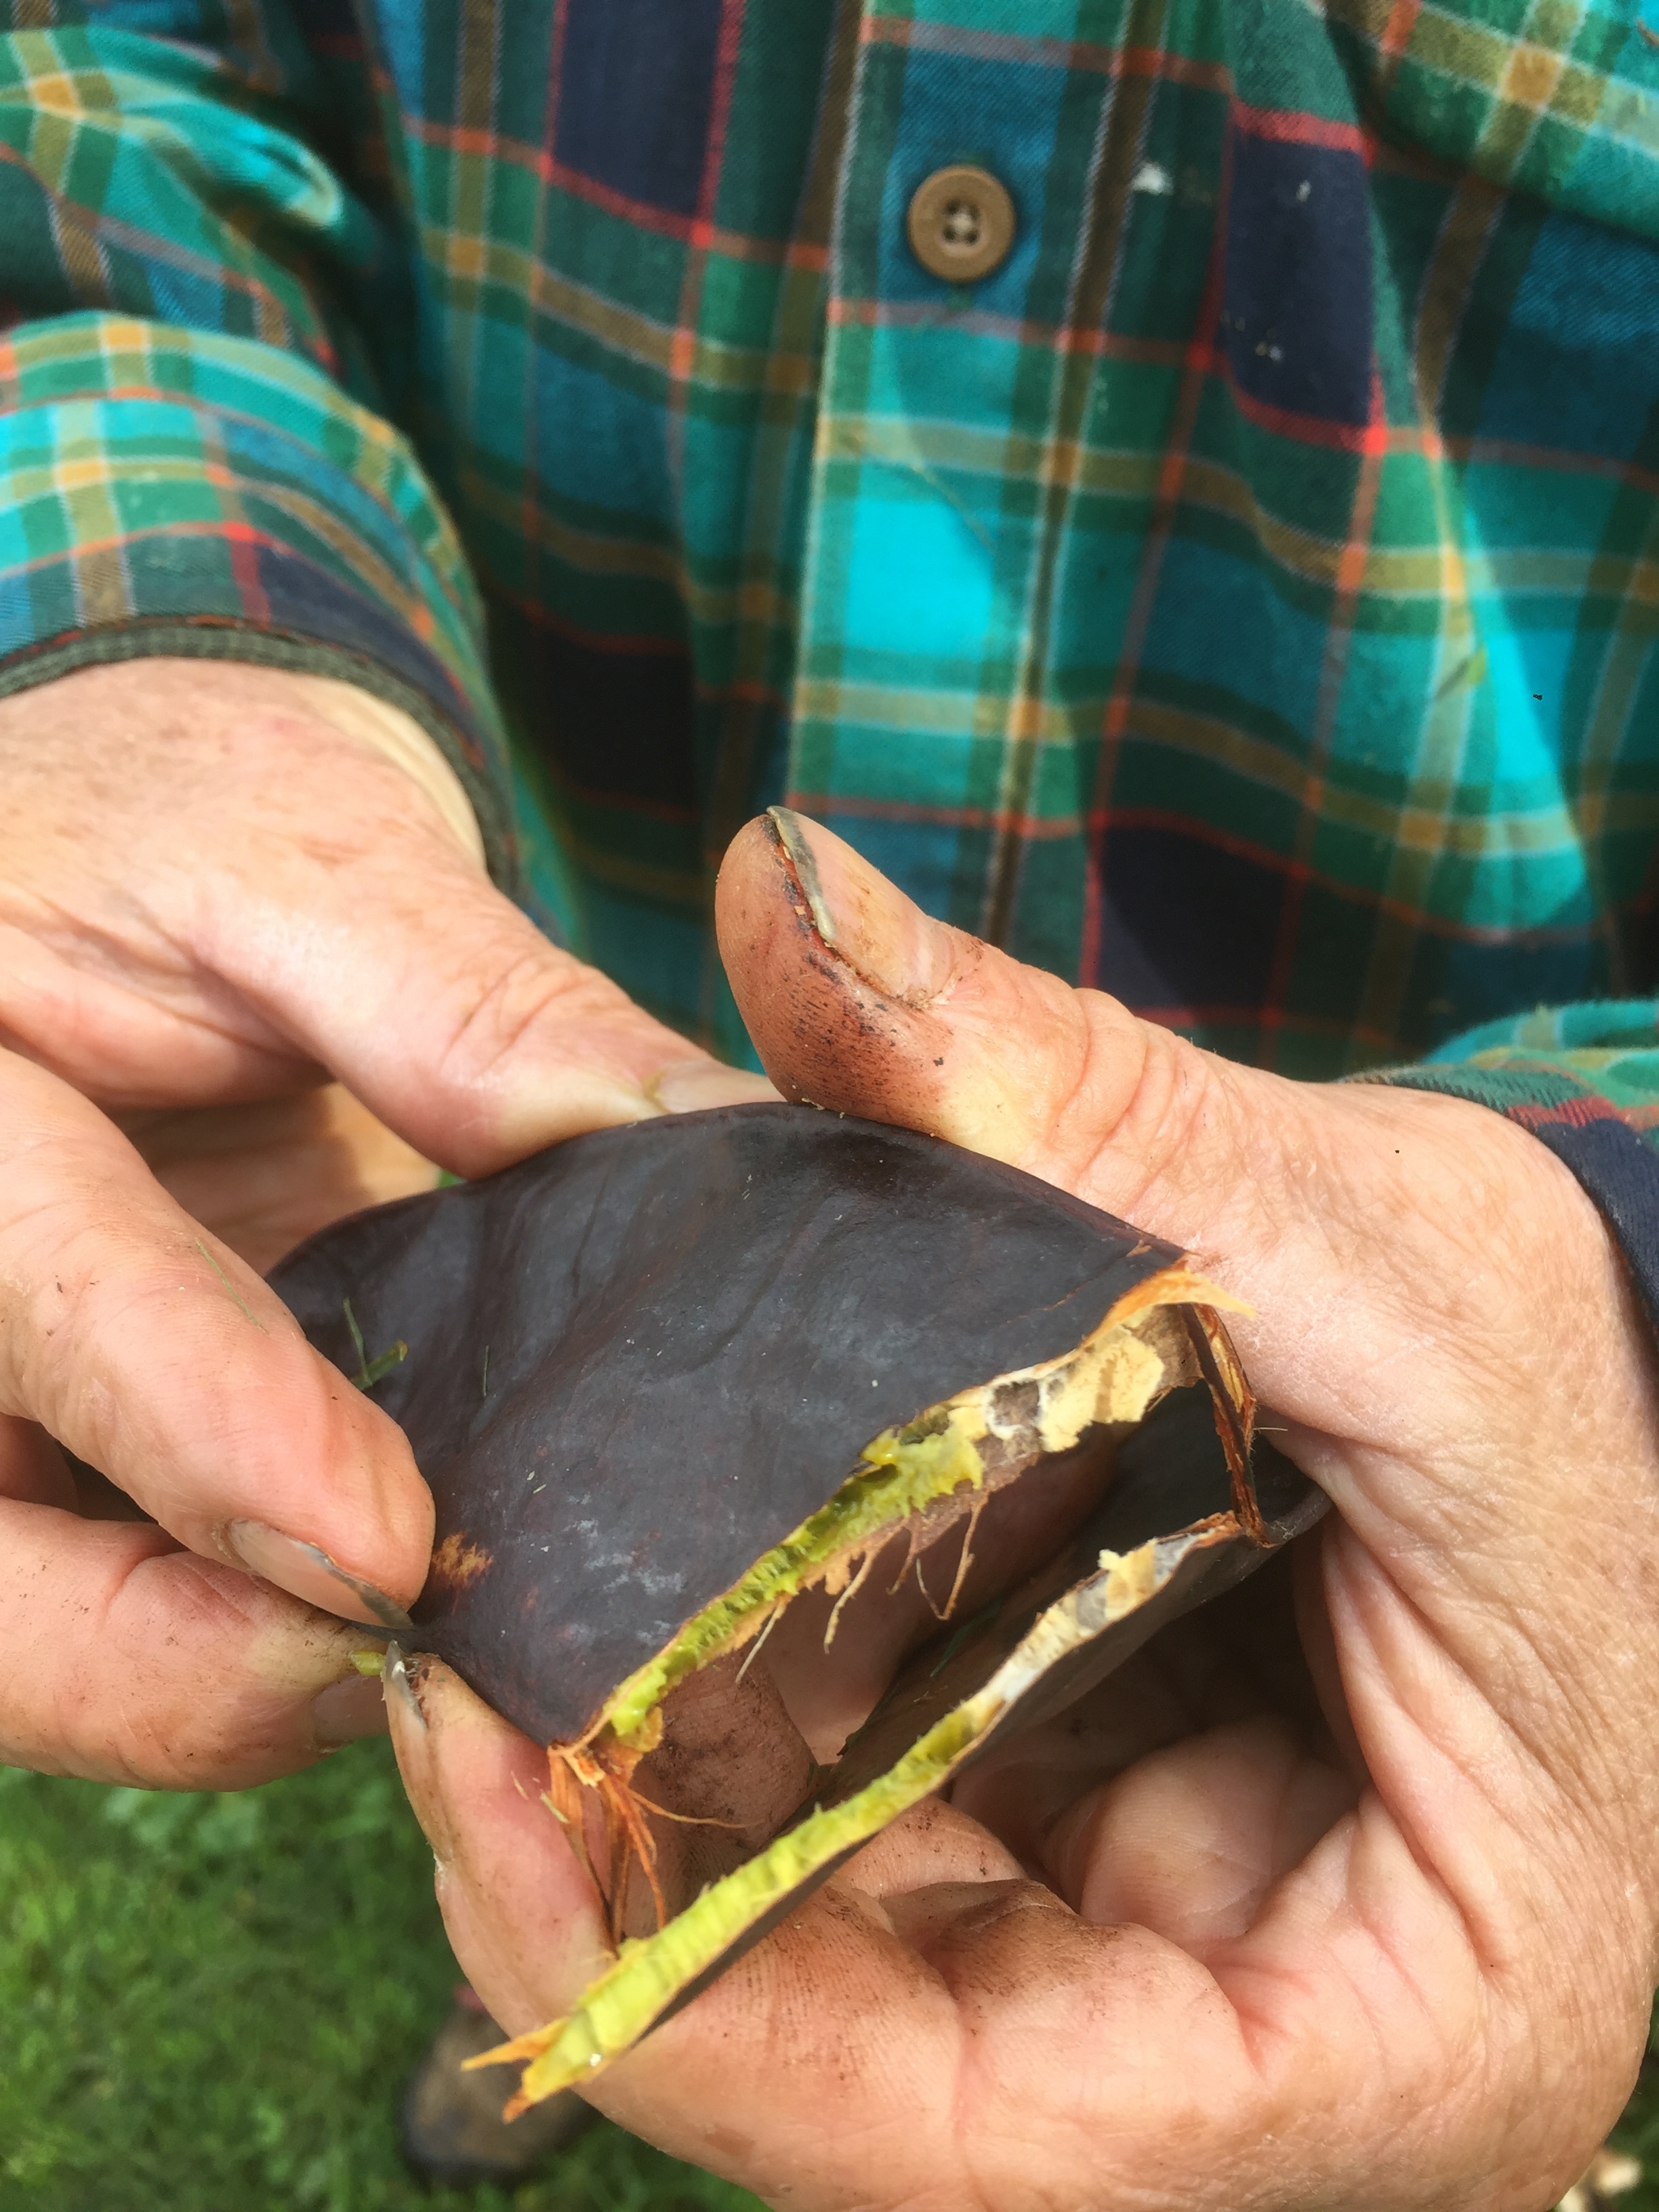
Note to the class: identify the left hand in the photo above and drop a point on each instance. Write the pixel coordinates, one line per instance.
(220, 883)
(1201, 1949)
(259, 1178)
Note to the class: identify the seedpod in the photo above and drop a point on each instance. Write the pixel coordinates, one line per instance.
(673, 1383)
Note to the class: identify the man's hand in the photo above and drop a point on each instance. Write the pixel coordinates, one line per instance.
(218, 885)
(1197, 1945)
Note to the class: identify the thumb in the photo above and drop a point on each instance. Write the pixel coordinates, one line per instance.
(858, 1001)
(1349, 1216)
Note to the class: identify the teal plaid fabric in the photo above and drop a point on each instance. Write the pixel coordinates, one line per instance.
(1244, 599)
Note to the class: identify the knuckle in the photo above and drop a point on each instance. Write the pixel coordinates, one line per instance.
(179, 1693)
(539, 994)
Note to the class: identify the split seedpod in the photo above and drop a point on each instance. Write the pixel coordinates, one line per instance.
(730, 1415)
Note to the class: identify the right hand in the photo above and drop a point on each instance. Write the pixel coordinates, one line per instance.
(217, 889)
(1374, 1926)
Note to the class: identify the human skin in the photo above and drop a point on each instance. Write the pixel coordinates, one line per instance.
(220, 886)
(1382, 1939)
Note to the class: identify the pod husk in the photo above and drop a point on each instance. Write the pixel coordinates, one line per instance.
(662, 1379)
(1020, 1660)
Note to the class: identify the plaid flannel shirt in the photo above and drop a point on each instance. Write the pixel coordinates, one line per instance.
(1244, 598)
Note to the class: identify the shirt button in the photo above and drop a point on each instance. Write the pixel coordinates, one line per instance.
(961, 223)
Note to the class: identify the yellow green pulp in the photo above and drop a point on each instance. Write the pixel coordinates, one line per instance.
(900, 1473)
(648, 1974)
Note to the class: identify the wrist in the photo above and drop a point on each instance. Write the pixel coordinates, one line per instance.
(156, 699)
(398, 737)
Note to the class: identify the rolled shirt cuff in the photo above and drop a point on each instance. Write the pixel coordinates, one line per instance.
(1584, 1081)
(163, 491)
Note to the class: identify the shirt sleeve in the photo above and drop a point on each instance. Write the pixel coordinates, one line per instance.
(201, 328)
(1585, 1080)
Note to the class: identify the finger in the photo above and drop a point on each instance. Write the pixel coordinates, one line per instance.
(435, 1000)
(265, 1176)
(523, 1917)
(128, 1660)
(33, 1470)
(165, 1363)
(857, 1000)
(302, 902)
(1190, 1839)
(525, 1925)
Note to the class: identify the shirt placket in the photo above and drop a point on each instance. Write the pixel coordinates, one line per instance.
(925, 727)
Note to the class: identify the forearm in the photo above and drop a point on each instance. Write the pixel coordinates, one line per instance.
(193, 457)
(1584, 1079)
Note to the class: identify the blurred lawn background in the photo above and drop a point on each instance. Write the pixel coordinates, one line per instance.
(209, 2004)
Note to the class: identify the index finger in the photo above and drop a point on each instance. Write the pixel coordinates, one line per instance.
(154, 1354)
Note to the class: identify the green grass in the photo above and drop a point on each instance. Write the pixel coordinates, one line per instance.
(212, 2003)
(1638, 2131)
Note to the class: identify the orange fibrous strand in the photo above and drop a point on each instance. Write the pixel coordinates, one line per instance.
(686, 1819)
(576, 1768)
(564, 1799)
(849, 1589)
(967, 1558)
(772, 1620)
(927, 1595)
(608, 1772)
(1233, 1403)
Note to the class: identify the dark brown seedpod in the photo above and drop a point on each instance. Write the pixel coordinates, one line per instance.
(668, 1381)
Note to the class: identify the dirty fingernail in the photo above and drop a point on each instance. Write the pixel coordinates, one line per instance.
(876, 929)
(419, 1758)
(346, 1711)
(306, 1571)
(400, 1687)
